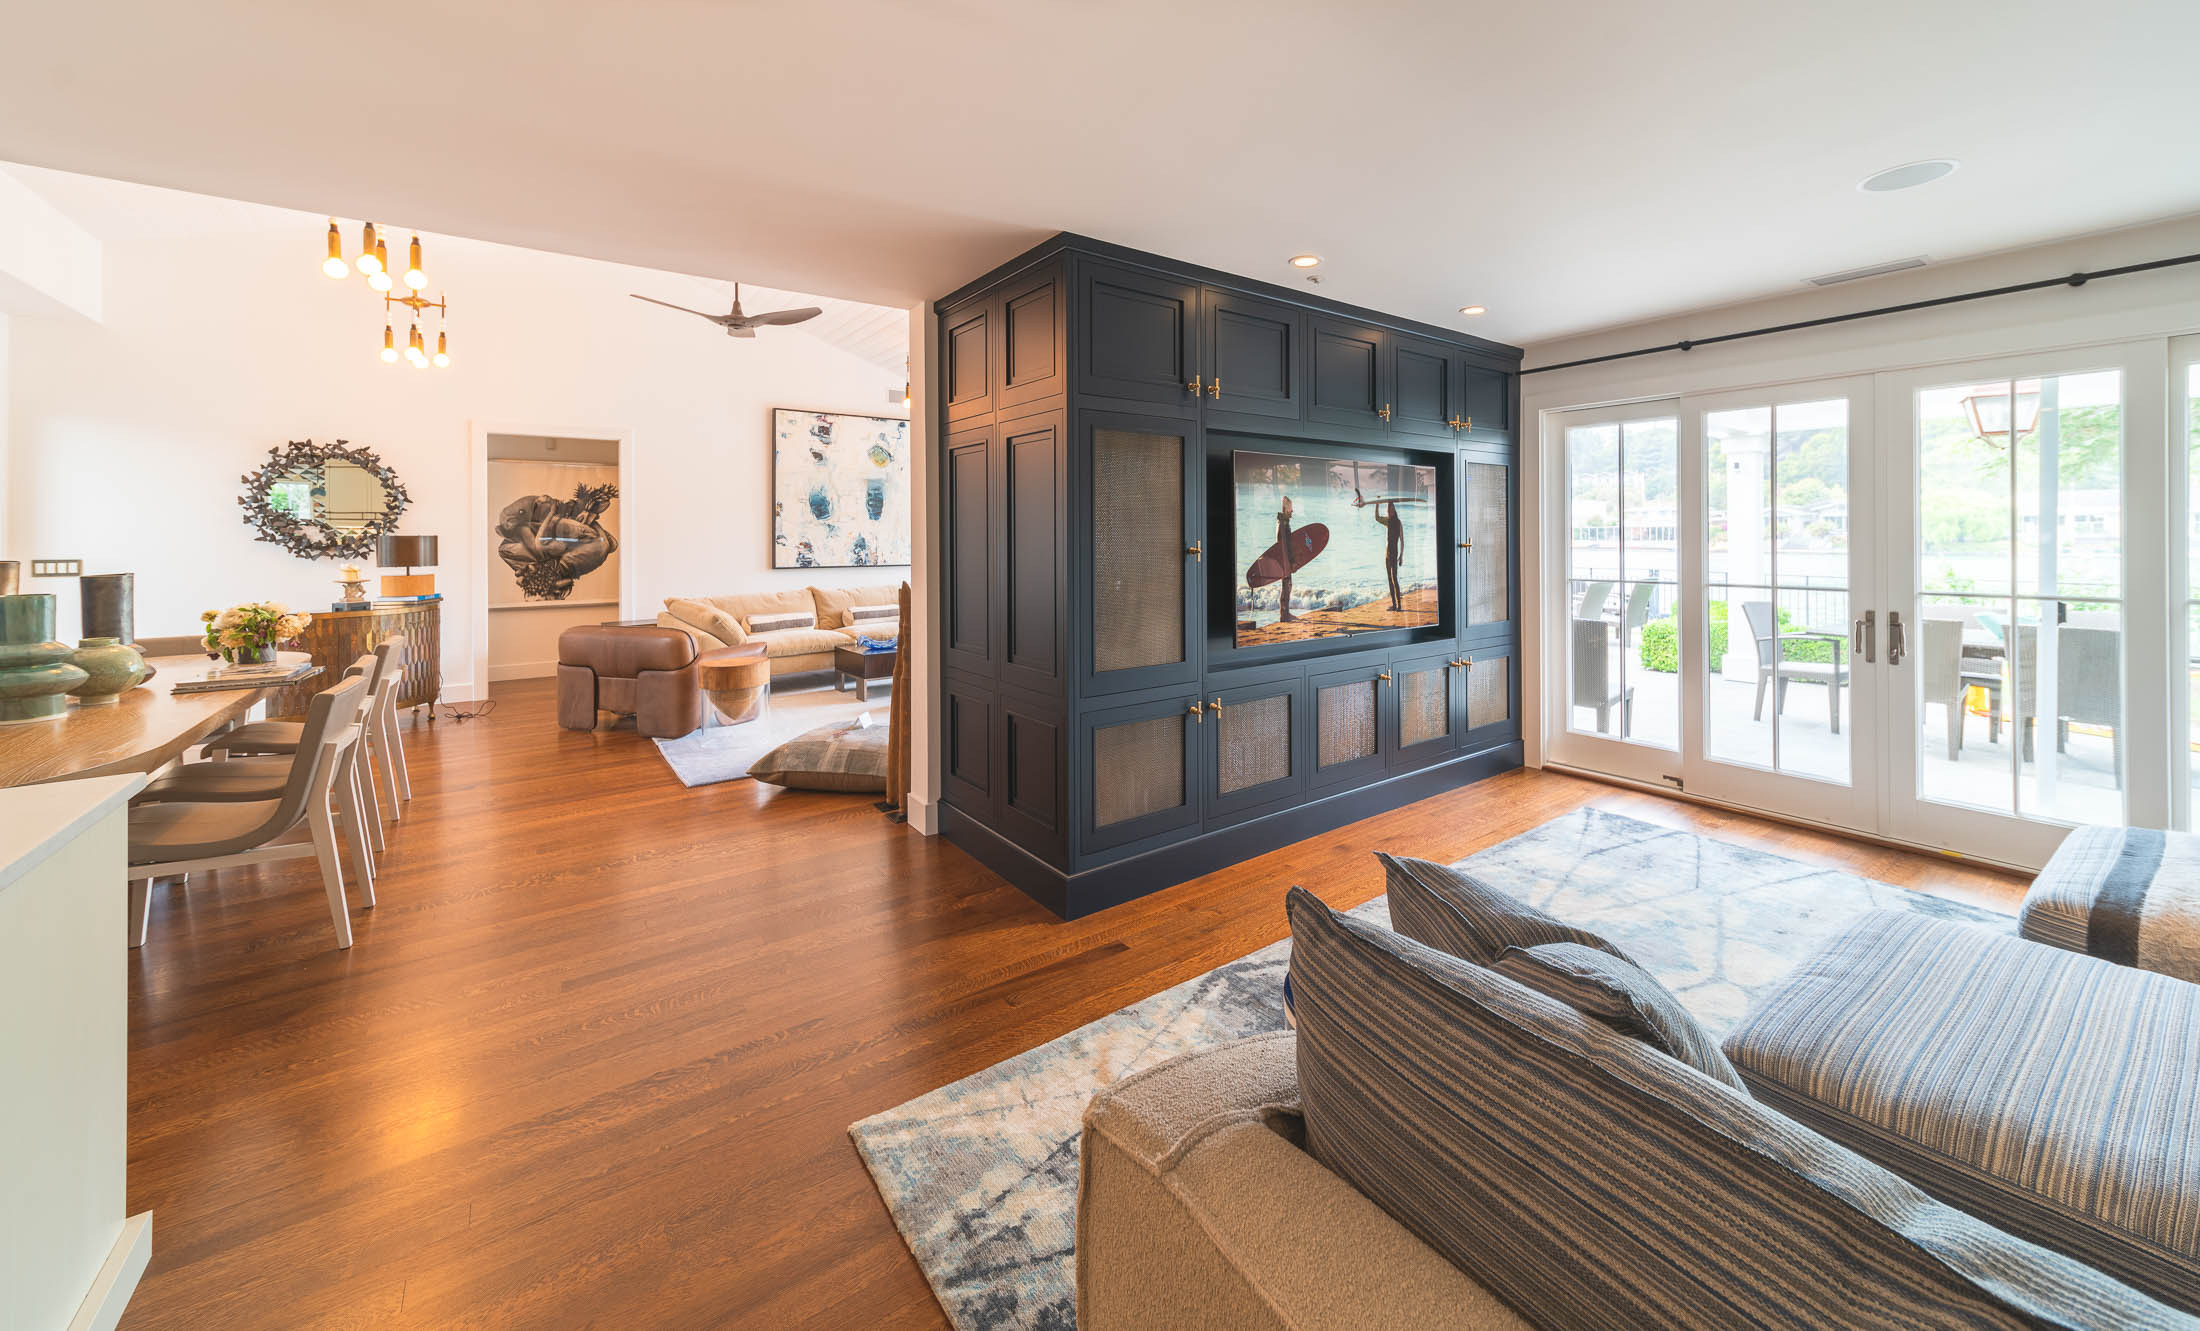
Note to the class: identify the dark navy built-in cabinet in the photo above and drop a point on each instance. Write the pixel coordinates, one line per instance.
(1104, 735)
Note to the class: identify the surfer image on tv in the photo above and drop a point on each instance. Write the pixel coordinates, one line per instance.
(1394, 540)
(1283, 542)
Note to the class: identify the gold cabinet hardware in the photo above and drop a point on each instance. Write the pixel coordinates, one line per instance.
(1453, 423)
(1385, 412)
(1198, 556)
(1463, 423)
(1469, 663)
(1194, 385)
(1216, 708)
(1466, 545)
(1199, 713)
(1214, 390)
(1385, 677)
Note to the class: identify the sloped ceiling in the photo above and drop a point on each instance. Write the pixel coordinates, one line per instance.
(878, 334)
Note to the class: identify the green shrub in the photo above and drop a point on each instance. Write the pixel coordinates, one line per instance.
(1660, 644)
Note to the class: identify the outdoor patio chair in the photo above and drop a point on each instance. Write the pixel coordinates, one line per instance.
(2089, 685)
(1946, 676)
(1593, 597)
(1775, 669)
(1639, 603)
(1597, 676)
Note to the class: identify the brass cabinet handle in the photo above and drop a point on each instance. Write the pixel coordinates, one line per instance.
(1216, 708)
(1198, 556)
(1214, 390)
(1385, 412)
(1194, 385)
(1466, 545)
(1199, 713)
(1453, 423)
(1384, 677)
(1463, 423)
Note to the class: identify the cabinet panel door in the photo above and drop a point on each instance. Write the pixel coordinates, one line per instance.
(1350, 714)
(1492, 693)
(1253, 356)
(1486, 536)
(1486, 397)
(1034, 776)
(966, 360)
(1034, 552)
(966, 749)
(1256, 752)
(1426, 720)
(1033, 365)
(1135, 537)
(1141, 772)
(970, 511)
(1141, 337)
(1426, 381)
(1349, 380)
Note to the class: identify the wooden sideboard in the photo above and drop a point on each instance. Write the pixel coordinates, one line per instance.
(336, 638)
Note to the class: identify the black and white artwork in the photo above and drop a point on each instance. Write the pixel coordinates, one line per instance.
(556, 533)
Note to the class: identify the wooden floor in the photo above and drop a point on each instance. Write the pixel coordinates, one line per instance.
(593, 1058)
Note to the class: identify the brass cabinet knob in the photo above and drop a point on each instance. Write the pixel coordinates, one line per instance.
(1385, 412)
(1194, 385)
(1384, 677)
(1214, 390)
(1195, 551)
(1216, 708)
(1466, 545)
(1199, 712)
(1461, 422)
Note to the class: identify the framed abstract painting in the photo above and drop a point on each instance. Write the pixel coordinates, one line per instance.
(840, 490)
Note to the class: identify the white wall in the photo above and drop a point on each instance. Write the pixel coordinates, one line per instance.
(2161, 303)
(221, 338)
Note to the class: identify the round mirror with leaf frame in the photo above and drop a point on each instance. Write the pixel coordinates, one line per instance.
(323, 501)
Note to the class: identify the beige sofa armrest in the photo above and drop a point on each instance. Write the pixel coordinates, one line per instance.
(1196, 1208)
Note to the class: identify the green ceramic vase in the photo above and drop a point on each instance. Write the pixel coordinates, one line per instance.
(114, 668)
(35, 674)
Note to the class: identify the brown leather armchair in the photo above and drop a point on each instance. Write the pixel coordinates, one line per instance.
(646, 673)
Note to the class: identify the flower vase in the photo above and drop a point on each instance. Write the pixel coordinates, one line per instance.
(35, 674)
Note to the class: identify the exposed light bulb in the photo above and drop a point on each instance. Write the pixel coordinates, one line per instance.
(414, 278)
(442, 350)
(389, 345)
(419, 361)
(370, 251)
(379, 280)
(334, 264)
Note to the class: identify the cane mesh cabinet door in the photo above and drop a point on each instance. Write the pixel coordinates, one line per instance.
(1257, 756)
(1351, 707)
(1142, 557)
(1427, 714)
(1141, 772)
(1485, 544)
(1491, 718)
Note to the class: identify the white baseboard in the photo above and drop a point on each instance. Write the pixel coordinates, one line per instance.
(924, 814)
(118, 1276)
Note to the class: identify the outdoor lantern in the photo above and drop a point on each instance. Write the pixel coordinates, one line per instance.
(1989, 409)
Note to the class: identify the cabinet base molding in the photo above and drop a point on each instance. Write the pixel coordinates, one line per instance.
(118, 1276)
(1074, 895)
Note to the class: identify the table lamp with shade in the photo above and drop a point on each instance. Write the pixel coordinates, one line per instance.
(408, 553)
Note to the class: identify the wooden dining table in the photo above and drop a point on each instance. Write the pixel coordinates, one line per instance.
(142, 731)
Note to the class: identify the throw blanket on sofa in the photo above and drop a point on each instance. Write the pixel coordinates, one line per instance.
(2127, 895)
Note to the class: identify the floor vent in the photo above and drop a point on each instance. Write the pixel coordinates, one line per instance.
(1876, 270)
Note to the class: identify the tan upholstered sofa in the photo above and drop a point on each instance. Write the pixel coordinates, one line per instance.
(724, 621)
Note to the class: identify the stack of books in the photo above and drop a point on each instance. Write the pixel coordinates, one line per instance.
(385, 602)
(221, 675)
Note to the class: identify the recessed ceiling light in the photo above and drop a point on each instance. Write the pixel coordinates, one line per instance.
(1907, 176)
(1306, 260)
(1472, 309)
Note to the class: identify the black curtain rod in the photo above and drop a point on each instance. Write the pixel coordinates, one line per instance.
(1690, 344)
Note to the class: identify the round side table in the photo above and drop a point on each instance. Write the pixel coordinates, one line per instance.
(736, 680)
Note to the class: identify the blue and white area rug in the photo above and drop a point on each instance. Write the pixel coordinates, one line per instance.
(981, 1176)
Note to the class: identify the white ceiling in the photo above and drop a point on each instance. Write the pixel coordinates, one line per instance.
(1569, 165)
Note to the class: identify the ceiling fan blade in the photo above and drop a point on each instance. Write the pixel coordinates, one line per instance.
(714, 318)
(784, 316)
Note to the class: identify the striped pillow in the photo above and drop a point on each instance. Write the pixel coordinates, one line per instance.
(1589, 1183)
(806, 619)
(1457, 913)
(860, 612)
(1623, 996)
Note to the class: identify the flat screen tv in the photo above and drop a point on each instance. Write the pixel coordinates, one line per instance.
(1332, 545)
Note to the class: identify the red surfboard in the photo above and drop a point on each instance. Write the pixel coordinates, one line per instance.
(1306, 542)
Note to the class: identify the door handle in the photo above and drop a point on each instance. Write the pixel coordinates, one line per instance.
(1214, 390)
(1894, 637)
(1216, 708)
(1385, 412)
(1199, 713)
(1384, 677)
(1194, 385)
(1195, 551)
(1862, 634)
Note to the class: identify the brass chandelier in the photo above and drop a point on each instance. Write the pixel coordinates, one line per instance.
(374, 262)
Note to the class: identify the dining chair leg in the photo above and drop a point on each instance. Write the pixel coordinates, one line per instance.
(387, 757)
(370, 801)
(356, 831)
(403, 774)
(323, 826)
(141, 909)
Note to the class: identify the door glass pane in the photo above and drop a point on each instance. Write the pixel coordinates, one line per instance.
(2020, 621)
(1137, 549)
(1344, 723)
(1424, 705)
(1623, 492)
(1137, 769)
(1737, 574)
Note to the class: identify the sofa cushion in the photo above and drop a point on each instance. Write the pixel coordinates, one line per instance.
(779, 621)
(833, 603)
(1458, 913)
(741, 605)
(2130, 895)
(2053, 1094)
(858, 615)
(843, 756)
(1623, 996)
(707, 617)
(800, 642)
(1588, 1181)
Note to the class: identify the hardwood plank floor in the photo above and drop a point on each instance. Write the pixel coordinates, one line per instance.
(594, 1056)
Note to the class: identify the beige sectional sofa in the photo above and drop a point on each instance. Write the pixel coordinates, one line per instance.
(724, 621)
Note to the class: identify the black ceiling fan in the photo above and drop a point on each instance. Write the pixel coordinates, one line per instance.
(736, 323)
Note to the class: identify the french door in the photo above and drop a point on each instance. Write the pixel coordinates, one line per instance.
(1956, 606)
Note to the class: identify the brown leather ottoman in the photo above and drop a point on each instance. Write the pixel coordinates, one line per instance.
(736, 680)
(647, 673)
